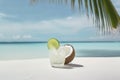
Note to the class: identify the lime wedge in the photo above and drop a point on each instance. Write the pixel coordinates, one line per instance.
(53, 43)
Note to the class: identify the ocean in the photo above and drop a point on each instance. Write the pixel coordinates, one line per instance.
(33, 50)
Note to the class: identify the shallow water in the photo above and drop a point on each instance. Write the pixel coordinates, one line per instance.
(40, 50)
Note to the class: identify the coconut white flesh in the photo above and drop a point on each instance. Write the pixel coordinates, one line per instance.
(68, 50)
(65, 51)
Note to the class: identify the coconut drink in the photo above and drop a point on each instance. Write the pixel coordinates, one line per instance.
(60, 55)
(57, 57)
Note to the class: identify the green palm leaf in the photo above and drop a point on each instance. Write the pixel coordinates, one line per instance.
(104, 13)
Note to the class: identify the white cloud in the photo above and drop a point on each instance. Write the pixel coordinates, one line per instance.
(69, 18)
(61, 26)
(16, 37)
(31, 30)
(110, 37)
(2, 15)
(71, 25)
(65, 26)
(27, 37)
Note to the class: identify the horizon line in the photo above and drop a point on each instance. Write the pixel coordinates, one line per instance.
(47, 41)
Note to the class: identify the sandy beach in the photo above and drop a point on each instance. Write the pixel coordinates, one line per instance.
(97, 68)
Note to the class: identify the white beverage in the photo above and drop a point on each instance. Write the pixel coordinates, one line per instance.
(57, 57)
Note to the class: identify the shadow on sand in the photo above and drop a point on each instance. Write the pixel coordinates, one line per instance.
(70, 66)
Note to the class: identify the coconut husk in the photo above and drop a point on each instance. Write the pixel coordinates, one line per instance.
(70, 57)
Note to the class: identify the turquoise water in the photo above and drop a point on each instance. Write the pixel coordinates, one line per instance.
(39, 50)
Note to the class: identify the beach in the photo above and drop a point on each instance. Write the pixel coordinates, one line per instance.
(34, 33)
(81, 68)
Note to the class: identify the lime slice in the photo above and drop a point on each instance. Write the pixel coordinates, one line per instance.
(53, 43)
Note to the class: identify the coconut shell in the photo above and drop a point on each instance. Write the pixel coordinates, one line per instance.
(71, 57)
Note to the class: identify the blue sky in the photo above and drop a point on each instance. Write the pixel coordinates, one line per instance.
(21, 21)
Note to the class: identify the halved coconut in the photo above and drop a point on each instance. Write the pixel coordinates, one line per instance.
(67, 52)
(70, 53)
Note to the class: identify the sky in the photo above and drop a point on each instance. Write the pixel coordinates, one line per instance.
(22, 21)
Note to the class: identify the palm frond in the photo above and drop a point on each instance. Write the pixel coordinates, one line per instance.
(104, 13)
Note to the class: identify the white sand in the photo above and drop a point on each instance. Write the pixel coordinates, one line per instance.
(80, 69)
